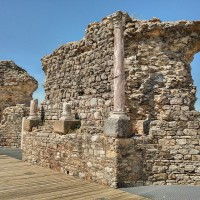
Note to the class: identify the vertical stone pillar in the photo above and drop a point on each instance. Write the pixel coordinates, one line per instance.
(33, 109)
(33, 120)
(66, 114)
(119, 72)
(22, 133)
(118, 124)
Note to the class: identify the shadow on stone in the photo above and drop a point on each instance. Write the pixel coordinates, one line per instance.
(14, 153)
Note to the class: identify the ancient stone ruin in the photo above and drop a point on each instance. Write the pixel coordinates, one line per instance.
(129, 84)
(16, 88)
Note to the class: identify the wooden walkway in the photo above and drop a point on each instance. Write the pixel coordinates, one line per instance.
(23, 181)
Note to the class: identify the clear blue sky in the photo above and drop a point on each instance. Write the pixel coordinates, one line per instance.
(30, 29)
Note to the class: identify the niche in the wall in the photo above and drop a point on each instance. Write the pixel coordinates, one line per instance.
(195, 65)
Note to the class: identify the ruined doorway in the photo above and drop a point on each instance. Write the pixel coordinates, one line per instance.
(195, 70)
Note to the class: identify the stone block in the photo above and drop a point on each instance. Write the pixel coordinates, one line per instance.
(118, 126)
(30, 123)
(140, 127)
(194, 152)
(189, 168)
(64, 126)
(111, 154)
(192, 132)
(176, 101)
(196, 158)
(160, 176)
(181, 141)
(173, 168)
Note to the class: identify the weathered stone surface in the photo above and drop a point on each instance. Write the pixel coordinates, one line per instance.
(118, 126)
(78, 155)
(11, 125)
(16, 85)
(65, 126)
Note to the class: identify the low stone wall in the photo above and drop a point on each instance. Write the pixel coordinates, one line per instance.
(11, 126)
(89, 157)
(170, 154)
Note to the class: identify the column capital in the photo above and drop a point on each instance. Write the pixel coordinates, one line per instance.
(118, 19)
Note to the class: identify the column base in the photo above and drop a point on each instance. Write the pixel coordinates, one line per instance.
(34, 117)
(118, 125)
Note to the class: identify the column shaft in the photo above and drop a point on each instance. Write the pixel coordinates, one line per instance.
(119, 72)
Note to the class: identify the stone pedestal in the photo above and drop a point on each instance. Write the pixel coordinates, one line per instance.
(118, 126)
(28, 124)
(65, 126)
(67, 122)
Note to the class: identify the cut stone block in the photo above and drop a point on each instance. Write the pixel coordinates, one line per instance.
(118, 126)
(64, 126)
(30, 123)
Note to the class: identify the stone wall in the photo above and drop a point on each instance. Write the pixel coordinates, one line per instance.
(158, 69)
(11, 125)
(81, 73)
(108, 161)
(157, 56)
(16, 87)
(160, 96)
(83, 155)
(177, 155)
(157, 159)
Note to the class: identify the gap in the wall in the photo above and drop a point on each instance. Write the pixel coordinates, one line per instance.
(195, 65)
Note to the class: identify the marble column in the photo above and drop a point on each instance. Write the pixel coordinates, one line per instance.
(33, 109)
(118, 124)
(119, 72)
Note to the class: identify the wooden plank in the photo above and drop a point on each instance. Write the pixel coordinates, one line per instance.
(23, 181)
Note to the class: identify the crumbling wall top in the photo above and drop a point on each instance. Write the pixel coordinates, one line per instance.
(11, 74)
(16, 85)
(157, 70)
